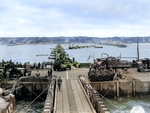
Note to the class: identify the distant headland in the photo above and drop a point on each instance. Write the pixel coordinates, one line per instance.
(10, 41)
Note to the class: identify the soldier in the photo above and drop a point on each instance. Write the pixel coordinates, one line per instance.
(37, 74)
(50, 72)
(17, 76)
(25, 71)
(59, 83)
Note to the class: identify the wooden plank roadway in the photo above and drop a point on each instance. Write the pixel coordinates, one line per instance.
(71, 98)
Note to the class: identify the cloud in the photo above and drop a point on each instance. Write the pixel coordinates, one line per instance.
(74, 18)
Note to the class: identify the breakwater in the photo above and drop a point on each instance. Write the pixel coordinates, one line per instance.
(27, 53)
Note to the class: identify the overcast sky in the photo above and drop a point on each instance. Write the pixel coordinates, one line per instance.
(100, 18)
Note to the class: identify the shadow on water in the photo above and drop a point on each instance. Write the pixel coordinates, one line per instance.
(35, 107)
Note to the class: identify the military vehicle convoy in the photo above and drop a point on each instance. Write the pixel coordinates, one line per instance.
(62, 61)
(10, 70)
(104, 69)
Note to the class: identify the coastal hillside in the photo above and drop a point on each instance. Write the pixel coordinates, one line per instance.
(63, 40)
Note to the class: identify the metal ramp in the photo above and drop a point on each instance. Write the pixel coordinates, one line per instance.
(76, 95)
(72, 99)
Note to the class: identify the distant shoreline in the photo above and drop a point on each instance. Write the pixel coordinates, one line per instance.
(68, 40)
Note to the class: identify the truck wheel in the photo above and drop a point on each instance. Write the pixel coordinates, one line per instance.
(138, 70)
(142, 70)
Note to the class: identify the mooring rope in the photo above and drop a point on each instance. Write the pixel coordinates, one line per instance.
(35, 99)
(106, 92)
(33, 92)
(11, 84)
(16, 89)
(109, 101)
(7, 86)
(13, 87)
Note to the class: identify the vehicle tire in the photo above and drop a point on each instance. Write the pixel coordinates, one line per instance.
(142, 70)
(138, 70)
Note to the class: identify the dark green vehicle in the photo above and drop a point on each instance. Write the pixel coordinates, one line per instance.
(62, 61)
(61, 66)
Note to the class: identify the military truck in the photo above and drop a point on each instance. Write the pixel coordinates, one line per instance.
(104, 69)
(114, 62)
(68, 64)
(143, 65)
(61, 66)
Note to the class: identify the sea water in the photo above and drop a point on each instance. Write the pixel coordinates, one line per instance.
(27, 106)
(125, 104)
(28, 53)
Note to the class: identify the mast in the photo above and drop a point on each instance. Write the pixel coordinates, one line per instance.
(137, 48)
(93, 57)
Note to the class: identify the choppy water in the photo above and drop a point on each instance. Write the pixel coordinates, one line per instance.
(126, 103)
(25, 53)
(22, 106)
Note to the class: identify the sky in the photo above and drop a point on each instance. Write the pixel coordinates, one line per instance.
(93, 18)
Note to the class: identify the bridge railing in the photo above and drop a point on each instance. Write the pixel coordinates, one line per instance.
(49, 102)
(10, 107)
(94, 96)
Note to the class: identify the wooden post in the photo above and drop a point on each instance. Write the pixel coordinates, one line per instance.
(133, 88)
(101, 86)
(117, 89)
(137, 49)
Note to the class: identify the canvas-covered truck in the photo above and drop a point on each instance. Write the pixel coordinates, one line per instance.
(104, 69)
(114, 62)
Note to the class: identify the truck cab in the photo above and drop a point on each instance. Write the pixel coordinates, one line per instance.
(143, 65)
